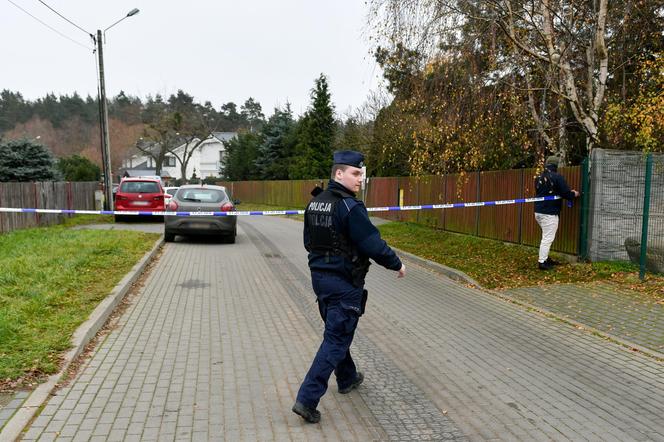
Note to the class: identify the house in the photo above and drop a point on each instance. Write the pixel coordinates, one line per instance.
(206, 160)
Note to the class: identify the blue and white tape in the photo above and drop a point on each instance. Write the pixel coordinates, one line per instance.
(276, 212)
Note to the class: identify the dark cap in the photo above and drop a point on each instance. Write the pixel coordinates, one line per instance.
(349, 157)
(553, 160)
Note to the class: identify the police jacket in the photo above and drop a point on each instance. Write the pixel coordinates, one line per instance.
(550, 183)
(349, 222)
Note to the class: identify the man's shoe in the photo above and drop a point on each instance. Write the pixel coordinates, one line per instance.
(545, 265)
(553, 262)
(309, 414)
(354, 385)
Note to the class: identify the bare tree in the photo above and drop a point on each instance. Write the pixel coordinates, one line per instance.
(158, 139)
(557, 47)
(568, 38)
(179, 128)
(199, 128)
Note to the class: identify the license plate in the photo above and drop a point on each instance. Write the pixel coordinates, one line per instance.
(199, 225)
(140, 203)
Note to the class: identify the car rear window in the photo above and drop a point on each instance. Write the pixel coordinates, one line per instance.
(139, 187)
(201, 195)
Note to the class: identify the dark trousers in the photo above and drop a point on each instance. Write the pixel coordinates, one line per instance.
(339, 303)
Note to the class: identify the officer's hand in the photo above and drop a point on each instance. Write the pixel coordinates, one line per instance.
(402, 271)
(576, 193)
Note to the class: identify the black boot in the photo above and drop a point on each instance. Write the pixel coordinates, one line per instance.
(309, 414)
(358, 380)
(545, 265)
(553, 262)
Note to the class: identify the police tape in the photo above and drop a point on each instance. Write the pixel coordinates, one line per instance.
(275, 212)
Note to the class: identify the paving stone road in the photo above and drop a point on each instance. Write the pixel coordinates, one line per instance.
(216, 343)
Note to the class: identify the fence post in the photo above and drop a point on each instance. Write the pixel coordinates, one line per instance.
(418, 180)
(70, 203)
(646, 212)
(37, 217)
(1, 215)
(478, 198)
(522, 194)
(585, 202)
(445, 200)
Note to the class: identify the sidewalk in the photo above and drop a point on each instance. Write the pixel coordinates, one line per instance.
(627, 316)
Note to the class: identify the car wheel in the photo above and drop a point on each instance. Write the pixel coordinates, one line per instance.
(230, 239)
(118, 218)
(169, 237)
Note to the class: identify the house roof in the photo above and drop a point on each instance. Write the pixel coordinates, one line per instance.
(152, 148)
(224, 136)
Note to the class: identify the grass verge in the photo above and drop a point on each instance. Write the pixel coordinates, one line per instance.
(247, 207)
(498, 265)
(78, 220)
(51, 278)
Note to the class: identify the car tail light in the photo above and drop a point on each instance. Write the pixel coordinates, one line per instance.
(227, 207)
(120, 197)
(158, 197)
(172, 206)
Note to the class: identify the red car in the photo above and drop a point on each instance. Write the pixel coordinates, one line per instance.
(139, 195)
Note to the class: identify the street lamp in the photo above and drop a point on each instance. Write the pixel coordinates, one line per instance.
(103, 117)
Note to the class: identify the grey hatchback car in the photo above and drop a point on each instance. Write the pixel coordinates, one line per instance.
(201, 198)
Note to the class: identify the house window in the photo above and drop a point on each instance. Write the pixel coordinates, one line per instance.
(169, 161)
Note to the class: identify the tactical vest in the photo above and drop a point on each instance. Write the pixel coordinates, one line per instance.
(325, 239)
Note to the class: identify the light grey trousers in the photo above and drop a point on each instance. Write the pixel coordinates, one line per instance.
(549, 225)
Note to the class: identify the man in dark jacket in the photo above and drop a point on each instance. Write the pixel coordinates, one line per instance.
(340, 239)
(550, 183)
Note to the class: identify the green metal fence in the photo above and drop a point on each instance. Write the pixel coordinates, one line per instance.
(626, 208)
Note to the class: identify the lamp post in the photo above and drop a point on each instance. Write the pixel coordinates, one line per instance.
(103, 111)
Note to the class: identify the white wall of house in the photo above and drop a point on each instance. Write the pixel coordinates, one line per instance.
(206, 159)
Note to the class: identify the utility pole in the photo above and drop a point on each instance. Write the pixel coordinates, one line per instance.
(103, 115)
(105, 139)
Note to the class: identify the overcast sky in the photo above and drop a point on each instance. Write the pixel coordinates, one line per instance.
(216, 50)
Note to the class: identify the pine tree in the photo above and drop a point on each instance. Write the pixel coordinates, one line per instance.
(25, 160)
(241, 152)
(13, 110)
(252, 114)
(276, 150)
(78, 168)
(314, 149)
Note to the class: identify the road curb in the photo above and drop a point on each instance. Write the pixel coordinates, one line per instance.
(81, 338)
(451, 273)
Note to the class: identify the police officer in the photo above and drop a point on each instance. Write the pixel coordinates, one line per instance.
(550, 183)
(340, 239)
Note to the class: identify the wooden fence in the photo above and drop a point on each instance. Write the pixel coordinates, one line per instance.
(511, 223)
(46, 195)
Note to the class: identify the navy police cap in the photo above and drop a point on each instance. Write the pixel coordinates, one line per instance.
(349, 157)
